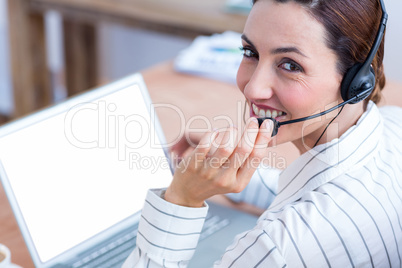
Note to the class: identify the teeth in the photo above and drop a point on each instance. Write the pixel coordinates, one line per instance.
(268, 113)
(255, 109)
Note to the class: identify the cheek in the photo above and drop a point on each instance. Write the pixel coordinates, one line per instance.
(299, 104)
(309, 98)
(244, 74)
(294, 97)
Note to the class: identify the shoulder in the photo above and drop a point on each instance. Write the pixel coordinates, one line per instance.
(391, 117)
(391, 113)
(389, 109)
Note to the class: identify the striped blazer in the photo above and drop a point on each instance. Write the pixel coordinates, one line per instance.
(337, 205)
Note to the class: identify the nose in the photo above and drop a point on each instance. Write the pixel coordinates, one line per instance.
(260, 85)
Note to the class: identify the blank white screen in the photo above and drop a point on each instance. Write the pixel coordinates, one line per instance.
(77, 173)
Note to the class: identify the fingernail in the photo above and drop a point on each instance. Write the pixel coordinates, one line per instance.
(269, 124)
(254, 120)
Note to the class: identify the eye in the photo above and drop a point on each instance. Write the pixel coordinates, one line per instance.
(248, 52)
(291, 66)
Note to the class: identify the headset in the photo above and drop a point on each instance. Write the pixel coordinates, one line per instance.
(357, 84)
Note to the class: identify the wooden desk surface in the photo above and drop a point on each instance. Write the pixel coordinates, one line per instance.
(192, 96)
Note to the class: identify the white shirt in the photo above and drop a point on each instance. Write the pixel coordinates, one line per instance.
(337, 205)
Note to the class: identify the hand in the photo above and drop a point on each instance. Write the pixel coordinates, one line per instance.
(219, 164)
(186, 144)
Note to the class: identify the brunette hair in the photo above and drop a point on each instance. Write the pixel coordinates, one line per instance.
(351, 27)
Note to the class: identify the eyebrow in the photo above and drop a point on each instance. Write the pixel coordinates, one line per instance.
(245, 38)
(280, 50)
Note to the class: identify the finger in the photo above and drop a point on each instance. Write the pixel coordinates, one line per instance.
(192, 138)
(216, 142)
(246, 144)
(186, 144)
(200, 152)
(226, 146)
(259, 151)
(264, 137)
(187, 152)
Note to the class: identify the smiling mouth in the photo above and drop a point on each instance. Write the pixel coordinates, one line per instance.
(267, 112)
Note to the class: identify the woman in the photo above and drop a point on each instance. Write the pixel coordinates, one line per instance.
(340, 203)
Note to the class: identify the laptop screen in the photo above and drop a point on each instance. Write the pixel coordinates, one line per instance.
(80, 171)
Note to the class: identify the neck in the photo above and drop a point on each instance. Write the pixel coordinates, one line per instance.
(346, 119)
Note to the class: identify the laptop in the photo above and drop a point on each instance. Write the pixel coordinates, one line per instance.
(76, 175)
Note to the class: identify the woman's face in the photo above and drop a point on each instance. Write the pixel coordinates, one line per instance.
(287, 71)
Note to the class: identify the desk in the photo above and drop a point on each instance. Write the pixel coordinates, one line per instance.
(30, 75)
(190, 94)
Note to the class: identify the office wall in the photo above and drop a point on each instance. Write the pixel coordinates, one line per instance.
(6, 99)
(393, 41)
(125, 50)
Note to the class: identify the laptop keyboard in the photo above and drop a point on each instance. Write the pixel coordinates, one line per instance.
(115, 253)
(111, 255)
(212, 224)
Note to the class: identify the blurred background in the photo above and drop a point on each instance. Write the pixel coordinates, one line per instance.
(113, 47)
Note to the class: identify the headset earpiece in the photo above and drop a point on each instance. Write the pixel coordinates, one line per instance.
(359, 81)
(356, 81)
